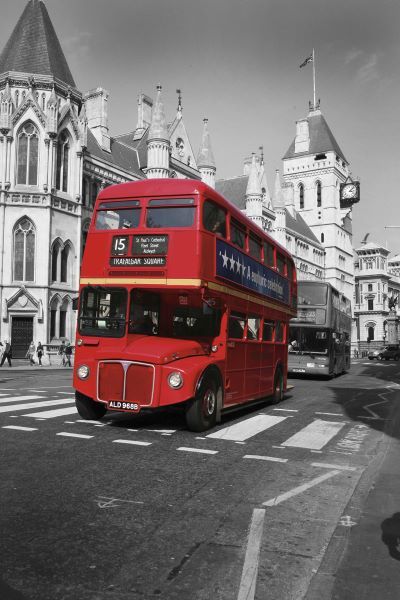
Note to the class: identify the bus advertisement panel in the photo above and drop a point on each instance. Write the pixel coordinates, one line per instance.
(320, 334)
(183, 300)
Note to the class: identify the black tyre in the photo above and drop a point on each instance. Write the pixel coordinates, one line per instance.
(88, 409)
(201, 411)
(277, 395)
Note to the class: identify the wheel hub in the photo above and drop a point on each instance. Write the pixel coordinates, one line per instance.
(209, 401)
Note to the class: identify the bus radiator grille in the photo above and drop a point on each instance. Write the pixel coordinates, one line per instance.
(139, 384)
(111, 381)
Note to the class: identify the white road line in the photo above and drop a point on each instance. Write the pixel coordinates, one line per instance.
(315, 435)
(269, 458)
(4, 409)
(330, 466)
(300, 489)
(33, 390)
(68, 393)
(168, 431)
(246, 429)
(18, 399)
(20, 428)
(52, 414)
(74, 435)
(133, 442)
(329, 414)
(287, 409)
(198, 450)
(90, 421)
(248, 581)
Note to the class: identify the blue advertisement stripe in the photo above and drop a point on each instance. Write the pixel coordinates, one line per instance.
(235, 266)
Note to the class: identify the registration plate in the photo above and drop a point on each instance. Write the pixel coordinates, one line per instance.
(298, 370)
(119, 405)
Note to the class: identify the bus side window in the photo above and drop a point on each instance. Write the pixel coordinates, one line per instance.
(279, 332)
(280, 263)
(236, 326)
(214, 218)
(254, 247)
(268, 331)
(238, 235)
(268, 255)
(253, 328)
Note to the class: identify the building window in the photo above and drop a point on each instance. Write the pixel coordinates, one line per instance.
(64, 264)
(370, 287)
(371, 333)
(62, 162)
(27, 155)
(24, 251)
(370, 304)
(319, 193)
(301, 195)
(54, 261)
(322, 238)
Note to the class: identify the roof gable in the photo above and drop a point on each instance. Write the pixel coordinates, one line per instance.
(298, 225)
(34, 46)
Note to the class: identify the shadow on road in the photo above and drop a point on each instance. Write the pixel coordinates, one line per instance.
(391, 535)
(7, 593)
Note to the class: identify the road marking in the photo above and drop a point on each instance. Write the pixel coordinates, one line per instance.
(20, 428)
(68, 393)
(287, 409)
(51, 414)
(330, 414)
(248, 581)
(90, 421)
(246, 429)
(330, 466)
(280, 447)
(39, 391)
(198, 450)
(107, 502)
(315, 435)
(75, 435)
(133, 442)
(300, 489)
(166, 431)
(18, 399)
(4, 409)
(270, 458)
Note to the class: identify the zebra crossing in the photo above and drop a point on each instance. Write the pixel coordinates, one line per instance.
(313, 435)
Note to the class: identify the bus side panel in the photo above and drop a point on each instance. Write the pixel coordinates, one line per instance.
(253, 369)
(267, 368)
(235, 356)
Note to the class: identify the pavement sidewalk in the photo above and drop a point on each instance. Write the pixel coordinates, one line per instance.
(23, 365)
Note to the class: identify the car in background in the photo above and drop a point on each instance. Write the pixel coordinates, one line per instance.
(385, 353)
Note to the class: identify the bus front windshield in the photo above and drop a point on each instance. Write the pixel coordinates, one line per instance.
(103, 311)
(311, 294)
(307, 339)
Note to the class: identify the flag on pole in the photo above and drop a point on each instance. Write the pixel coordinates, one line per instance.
(308, 60)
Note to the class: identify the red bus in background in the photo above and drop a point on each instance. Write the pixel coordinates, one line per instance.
(183, 300)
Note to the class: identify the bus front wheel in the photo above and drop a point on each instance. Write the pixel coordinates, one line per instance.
(278, 387)
(201, 411)
(88, 409)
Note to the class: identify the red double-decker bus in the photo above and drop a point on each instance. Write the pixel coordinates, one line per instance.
(183, 300)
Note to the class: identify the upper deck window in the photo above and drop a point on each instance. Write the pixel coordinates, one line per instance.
(238, 234)
(268, 255)
(214, 218)
(312, 294)
(123, 214)
(255, 247)
(166, 217)
(280, 263)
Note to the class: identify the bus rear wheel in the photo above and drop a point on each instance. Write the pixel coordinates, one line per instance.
(88, 409)
(201, 411)
(278, 387)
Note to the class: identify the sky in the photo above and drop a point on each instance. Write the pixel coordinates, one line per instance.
(237, 63)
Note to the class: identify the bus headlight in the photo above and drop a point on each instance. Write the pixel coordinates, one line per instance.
(83, 372)
(175, 380)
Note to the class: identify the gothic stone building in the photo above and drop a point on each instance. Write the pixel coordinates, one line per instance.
(56, 153)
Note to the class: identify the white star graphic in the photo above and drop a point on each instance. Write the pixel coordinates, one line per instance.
(232, 261)
(238, 265)
(243, 269)
(224, 258)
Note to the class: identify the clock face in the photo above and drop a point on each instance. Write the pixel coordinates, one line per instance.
(349, 191)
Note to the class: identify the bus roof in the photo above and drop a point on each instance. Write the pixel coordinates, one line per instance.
(171, 187)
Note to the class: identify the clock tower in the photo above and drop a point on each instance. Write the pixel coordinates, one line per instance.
(318, 172)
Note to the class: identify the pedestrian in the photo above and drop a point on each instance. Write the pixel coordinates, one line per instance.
(7, 354)
(61, 353)
(39, 352)
(68, 354)
(31, 353)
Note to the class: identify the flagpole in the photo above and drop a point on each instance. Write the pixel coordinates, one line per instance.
(313, 64)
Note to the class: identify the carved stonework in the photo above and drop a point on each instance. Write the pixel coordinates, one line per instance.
(29, 102)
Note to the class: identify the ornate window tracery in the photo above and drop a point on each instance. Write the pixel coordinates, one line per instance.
(24, 236)
(62, 162)
(27, 154)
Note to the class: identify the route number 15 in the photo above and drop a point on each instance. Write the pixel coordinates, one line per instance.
(120, 245)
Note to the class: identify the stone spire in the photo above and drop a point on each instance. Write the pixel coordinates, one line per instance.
(266, 196)
(205, 157)
(180, 108)
(52, 114)
(6, 109)
(254, 194)
(158, 141)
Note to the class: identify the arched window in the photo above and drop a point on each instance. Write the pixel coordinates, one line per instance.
(54, 261)
(64, 264)
(322, 238)
(54, 324)
(64, 308)
(62, 162)
(301, 195)
(371, 333)
(24, 250)
(27, 154)
(319, 194)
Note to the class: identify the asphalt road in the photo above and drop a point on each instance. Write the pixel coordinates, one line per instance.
(276, 502)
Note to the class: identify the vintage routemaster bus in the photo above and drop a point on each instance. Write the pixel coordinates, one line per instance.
(183, 300)
(320, 334)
